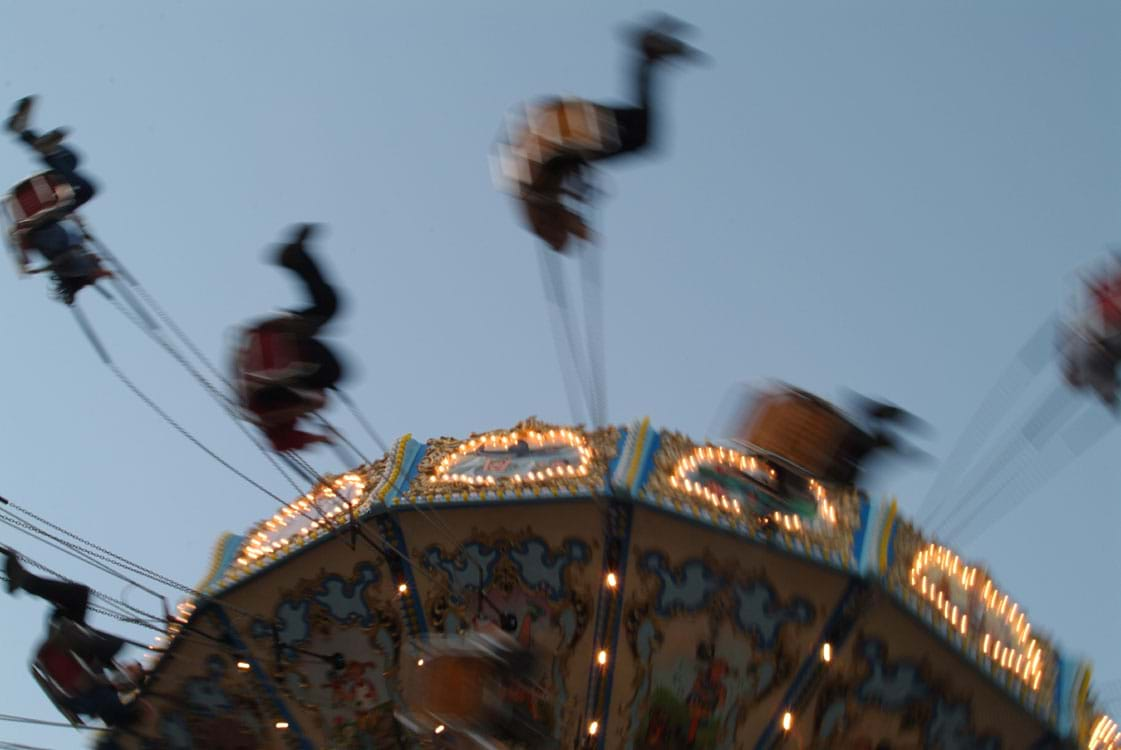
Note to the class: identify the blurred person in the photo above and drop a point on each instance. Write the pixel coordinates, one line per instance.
(817, 439)
(1089, 360)
(282, 369)
(562, 137)
(878, 436)
(1089, 345)
(75, 664)
(479, 687)
(43, 210)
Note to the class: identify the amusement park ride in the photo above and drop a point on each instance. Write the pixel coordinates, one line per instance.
(552, 586)
(581, 586)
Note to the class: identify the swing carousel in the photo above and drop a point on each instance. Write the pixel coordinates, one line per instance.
(581, 585)
(672, 593)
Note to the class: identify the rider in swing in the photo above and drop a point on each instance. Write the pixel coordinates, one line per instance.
(46, 223)
(283, 369)
(75, 664)
(549, 156)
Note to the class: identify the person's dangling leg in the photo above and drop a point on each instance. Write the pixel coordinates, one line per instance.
(328, 372)
(324, 300)
(633, 128)
(55, 156)
(70, 600)
(65, 162)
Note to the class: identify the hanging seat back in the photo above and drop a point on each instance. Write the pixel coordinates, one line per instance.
(1105, 310)
(268, 356)
(459, 684)
(565, 128)
(453, 686)
(39, 199)
(62, 675)
(798, 428)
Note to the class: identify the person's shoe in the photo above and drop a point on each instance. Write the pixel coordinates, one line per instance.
(660, 39)
(49, 142)
(294, 255)
(13, 571)
(21, 115)
(304, 232)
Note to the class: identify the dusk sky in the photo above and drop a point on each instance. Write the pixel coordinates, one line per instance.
(880, 195)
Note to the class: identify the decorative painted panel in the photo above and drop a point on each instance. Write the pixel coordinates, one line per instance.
(535, 573)
(895, 683)
(714, 629)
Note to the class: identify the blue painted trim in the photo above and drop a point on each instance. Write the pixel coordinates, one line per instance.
(405, 560)
(809, 665)
(265, 683)
(624, 562)
(859, 534)
(410, 464)
(649, 450)
(890, 544)
(230, 545)
(613, 464)
(599, 630)
(418, 451)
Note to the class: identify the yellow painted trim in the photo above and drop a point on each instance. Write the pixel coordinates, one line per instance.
(1080, 727)
(885, 535)
(639, 444)
(216, 556)
(397, 461)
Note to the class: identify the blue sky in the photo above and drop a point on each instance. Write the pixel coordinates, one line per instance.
(889, 196)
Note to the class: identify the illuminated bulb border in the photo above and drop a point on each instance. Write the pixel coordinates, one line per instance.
(1105, 735)
(535, 438)
(260, 548)
(1023, 658)
(709, 454)
(161, 642)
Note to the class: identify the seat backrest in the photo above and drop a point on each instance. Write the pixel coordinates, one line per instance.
(453, 686)
(59, 697)
(572, 124)
(549, 130)
(806, 432)
(40, 198)
(266, 355)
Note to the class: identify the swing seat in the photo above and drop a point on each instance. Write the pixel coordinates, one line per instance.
(77, 685)
(798, 429)
(464, 683)
(39, 199)
(568, 129)
(269, 357)
(62, 675)
(573, 125)
(459, 694)
(1104, 313)
(298, 404)
(269, 372)
(453, 686)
